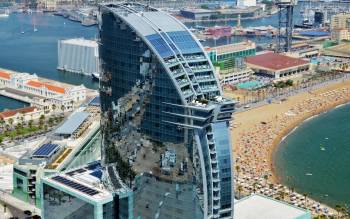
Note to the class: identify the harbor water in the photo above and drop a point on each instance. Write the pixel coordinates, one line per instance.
(25, 50)
(314, 159)
(8, 103)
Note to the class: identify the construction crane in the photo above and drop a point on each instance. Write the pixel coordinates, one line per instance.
(285, 24)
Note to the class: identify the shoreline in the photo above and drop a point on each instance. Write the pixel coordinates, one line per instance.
(258, 133)
(285, 133)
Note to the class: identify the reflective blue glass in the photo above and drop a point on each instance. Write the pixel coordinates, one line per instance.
(221, 136)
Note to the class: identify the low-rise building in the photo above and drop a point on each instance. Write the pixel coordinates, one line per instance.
(32, 85)
(340, 34)
(259, 206)
(224, 56)
(225, 13)
(78, 56)
(81, 193)
(21, 115)
(54, 155)
(246, 3)
(236, 76)
(277, 66)
(304, 51)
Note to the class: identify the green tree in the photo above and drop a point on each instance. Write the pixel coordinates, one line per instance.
(30, 123)
(239, 189)
(2, 122)
(10, 121)
(51, 121)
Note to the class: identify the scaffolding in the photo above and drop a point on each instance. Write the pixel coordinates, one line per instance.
(285, 21)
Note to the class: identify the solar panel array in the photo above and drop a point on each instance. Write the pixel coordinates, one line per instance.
(94, 165)
(182, 39)
(72, 173)
(45, 150)
(75, 185)
(97, 174)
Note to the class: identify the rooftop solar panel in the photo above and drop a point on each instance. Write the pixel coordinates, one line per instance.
(45, 150)
(75, 185)
(94, 166)
(97, 174)
(71, 173)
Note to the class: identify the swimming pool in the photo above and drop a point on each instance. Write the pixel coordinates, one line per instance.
(250, 85)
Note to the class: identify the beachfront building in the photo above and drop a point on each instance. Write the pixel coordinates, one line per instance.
(164, 121)
(25, 84)
(78, 56)
(259, 206)
(224, 56)
(21, 115)
(79, 193)
(277, 66)
(238, 75)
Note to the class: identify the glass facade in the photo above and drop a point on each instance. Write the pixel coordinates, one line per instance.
(162, 110)
(61, 205)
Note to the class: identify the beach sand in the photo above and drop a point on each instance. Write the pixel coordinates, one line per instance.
(257, 132)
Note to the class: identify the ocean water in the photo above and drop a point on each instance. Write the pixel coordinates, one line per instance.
(8, 103)
(36, 52)
(315, 158)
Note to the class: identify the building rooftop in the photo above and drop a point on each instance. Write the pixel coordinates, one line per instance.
(197, 10)
(234, 47)
(72, 123)
(274, 61)
(86, 181)
(81, 42)
(10, 113)
(267, 208)
(142, 18)
(4, 75)
(50, 87)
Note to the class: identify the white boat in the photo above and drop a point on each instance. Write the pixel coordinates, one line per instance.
(34, 29)
(5, 14)
(96, 76)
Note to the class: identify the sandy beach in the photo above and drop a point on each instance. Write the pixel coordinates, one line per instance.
(256, 134)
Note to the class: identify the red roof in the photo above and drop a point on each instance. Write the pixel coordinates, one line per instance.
(50, 87)
(10, 113)
(4, 75)
(275, 61)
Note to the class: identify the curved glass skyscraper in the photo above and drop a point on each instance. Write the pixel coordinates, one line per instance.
(164, 121)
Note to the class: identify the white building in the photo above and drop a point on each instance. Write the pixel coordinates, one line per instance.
(65, 96)
(78, 56)
(246, 3)
(258, 206)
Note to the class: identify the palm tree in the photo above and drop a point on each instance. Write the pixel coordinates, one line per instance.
(62, 109)
(30, 123)
(305, 197)
(11, 121)
(2, 122)
(54, 107)
(281, 194)
(239, 189)
(237, 170)
(254, 187)
(266, 177)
